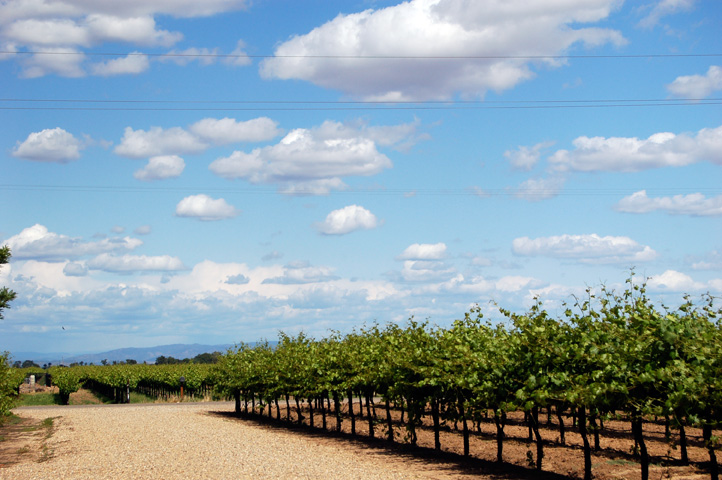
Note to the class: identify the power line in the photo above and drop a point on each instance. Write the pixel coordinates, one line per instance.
(256, 190)
(353, 102)
(389, 106)
(369, 57)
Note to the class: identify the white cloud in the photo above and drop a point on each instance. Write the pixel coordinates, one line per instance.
(516, 283)
(228, 130)
(585, 248)
(347, 220)
(525, 158)
(37, 242)
(53, 26)
(196, 139)
(132, 64)
(426, 271)
(46, 32)
(18, 9)
(674, 281)
(49, 145)
(162, 167)
(205, 208)
(697, 86)
(424, 251)
(438, 28)
(157, 142)
(307, 161)
(301, 273)
(630, 154)
(63, 61)
(238, 57)
(135, 263)
(537, 189)
(140, 30)
(208, 56)
(143, 230)
(663, 8)
(695, 204)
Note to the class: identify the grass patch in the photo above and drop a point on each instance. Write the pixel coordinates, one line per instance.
(137, 397)
(23, 451)
(10, 419)
(37, 399)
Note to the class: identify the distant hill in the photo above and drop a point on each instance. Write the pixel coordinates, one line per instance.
(140, 355)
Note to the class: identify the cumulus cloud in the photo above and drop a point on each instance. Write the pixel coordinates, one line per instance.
(135, 263)
(347, 220)
(426, 271)
(63, 61)
(674, 281)
(229, 130)
(585, 248)
(516, 283)
(697, 86)
(162, 167)
(132, 64)
(70, 25)
(158, 141)
(307, 160)
(49, 145)
(196, 139)
(301, 273)
(205, 208)
(663, 8)
(631, 154)
(424, 251)
(37, 242)
(525, 158)
(438, 30)
(143, 230)
(695, 204)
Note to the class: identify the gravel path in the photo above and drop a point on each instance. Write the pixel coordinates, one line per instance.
(174, 441)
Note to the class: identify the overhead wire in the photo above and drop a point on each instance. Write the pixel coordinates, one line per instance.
(407, 192)
(331, 105)
(369, 57)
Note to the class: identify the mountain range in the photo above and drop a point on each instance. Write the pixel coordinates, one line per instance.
(140, 355)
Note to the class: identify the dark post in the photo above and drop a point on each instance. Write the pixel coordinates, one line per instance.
(182, 384)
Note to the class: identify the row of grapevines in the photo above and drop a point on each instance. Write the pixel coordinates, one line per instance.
(609, 354)
(112, 380)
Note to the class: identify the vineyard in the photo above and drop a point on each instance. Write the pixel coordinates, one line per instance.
(611, 360)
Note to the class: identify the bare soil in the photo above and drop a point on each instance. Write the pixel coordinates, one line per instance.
(23, 440)
(615, 458)
(26, 442)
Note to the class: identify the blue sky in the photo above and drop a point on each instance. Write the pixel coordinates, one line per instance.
(176, 171)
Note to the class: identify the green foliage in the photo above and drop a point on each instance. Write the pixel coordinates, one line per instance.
(6, 295)
(610, 352)
(8, 385)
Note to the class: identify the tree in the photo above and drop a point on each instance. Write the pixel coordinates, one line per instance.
(6, 295)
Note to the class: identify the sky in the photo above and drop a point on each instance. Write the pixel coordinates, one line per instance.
(175, 171)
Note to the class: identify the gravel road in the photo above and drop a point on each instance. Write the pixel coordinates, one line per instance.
(189, 441)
